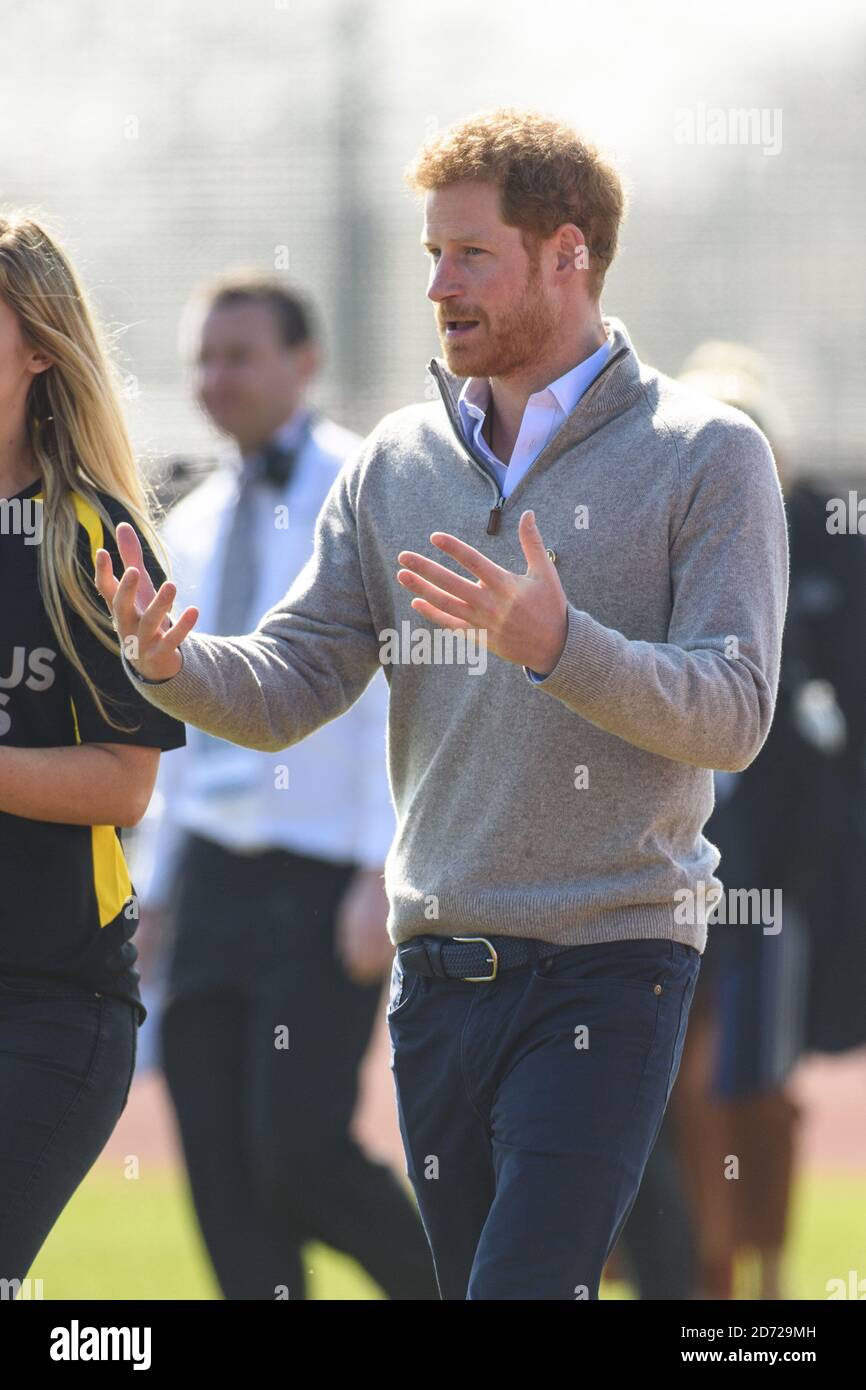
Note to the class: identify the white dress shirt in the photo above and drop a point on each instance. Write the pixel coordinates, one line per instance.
(327, 796)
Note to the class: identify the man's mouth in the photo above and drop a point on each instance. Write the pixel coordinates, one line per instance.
(458, 328)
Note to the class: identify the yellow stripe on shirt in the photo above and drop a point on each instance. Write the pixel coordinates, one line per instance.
(112, 884)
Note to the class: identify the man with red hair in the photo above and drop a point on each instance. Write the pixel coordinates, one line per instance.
(619, 544)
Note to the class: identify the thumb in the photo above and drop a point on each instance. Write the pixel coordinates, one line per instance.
(533, 546)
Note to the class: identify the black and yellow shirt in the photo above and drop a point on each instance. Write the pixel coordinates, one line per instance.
(67, 905)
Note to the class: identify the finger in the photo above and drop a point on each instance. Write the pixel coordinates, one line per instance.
(108, 586)
(471, 559)
(441, 618)
(533, 546)
(154, 616)
(129, 546)
(448, 581)
(457, 606)
(126, 616)
(172, 638)
(104, 577)
(131, 553)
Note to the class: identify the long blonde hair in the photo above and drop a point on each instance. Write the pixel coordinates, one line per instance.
(75, 428)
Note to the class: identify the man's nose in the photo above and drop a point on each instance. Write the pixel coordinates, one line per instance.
(444, 283)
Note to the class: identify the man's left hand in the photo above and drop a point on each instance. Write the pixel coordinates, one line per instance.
(523, 615)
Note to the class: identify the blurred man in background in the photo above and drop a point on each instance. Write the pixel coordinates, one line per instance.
(266, 869)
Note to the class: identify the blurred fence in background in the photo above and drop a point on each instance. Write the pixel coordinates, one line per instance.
(167, 140)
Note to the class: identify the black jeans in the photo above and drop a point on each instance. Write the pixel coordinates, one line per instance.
(261, 1057)
(67, 1057)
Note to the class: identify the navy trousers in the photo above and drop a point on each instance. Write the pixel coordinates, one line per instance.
(528, 1108)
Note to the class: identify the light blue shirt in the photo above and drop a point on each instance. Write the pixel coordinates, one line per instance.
(544, 414)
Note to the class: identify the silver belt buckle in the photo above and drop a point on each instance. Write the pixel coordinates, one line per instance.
(493, 958)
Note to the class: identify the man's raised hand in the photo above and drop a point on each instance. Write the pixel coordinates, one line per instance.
(147, 635)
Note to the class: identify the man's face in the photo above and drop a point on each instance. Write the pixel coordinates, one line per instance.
(481, 272)
(245, 377)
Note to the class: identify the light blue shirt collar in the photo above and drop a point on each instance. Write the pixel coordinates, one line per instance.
(566, 391)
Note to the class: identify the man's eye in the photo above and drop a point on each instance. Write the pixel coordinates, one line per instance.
(434, 252)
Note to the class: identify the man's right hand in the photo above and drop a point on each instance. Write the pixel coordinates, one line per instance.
(147, 635)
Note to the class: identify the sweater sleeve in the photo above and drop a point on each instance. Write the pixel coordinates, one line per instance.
(705, 696)
(308, 660)
(376, 824)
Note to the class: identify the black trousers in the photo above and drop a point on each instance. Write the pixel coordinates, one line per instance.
(67, 1055)
(262, 1036)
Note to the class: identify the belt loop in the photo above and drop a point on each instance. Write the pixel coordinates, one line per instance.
(434, 956)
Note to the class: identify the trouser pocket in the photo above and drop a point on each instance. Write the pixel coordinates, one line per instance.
(679, 1042)
(403, 988)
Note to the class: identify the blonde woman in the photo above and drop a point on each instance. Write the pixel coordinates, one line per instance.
(79, 750)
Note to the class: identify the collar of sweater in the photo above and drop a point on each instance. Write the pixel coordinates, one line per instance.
(618, 385)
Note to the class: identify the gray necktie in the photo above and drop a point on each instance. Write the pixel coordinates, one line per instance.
(271, 468)
(233, 616)
(240, 567)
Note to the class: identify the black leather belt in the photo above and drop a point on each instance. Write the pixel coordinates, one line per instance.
(474, 958)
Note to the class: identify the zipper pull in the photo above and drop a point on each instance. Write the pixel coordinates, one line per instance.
(495, 517)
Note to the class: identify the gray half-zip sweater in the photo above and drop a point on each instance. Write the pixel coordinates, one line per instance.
(570, 810)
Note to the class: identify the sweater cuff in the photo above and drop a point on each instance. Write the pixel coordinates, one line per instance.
(586, 662)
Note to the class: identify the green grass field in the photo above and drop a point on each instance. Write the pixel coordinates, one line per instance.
(122, 1238)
